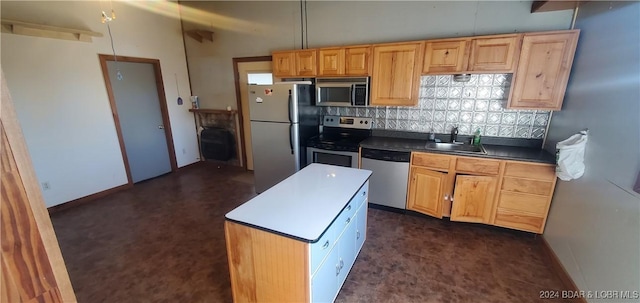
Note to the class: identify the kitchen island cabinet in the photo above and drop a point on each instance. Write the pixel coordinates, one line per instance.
(297, 241)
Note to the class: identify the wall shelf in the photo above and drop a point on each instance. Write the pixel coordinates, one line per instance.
(46, 31)
(200, 35)
(213, 111)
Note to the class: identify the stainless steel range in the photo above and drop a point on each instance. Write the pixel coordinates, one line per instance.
(339, 141)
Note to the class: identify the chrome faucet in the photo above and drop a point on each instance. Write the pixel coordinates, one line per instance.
(454, 134)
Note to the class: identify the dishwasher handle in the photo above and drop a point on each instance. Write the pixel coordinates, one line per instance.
(386, 155)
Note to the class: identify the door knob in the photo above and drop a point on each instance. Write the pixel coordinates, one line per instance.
(161, 126)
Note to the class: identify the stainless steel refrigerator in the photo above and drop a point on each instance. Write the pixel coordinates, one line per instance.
(283, 116)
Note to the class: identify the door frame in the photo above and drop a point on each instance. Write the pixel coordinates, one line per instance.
(236, 78)
(161, 98)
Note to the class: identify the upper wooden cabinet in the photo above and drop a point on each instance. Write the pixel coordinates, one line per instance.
(543, 70)
(445, 57)
(494, 54)
(331, 61)
(298, 63)
(472, 55)
(358, 60)
(345, 61)
(396, 74)
(284, 64)
(306, 62)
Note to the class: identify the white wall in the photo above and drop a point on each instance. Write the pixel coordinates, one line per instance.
(594, 222)
(60, 96)
(244, 29)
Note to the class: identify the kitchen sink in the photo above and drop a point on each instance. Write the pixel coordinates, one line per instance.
(456, 147)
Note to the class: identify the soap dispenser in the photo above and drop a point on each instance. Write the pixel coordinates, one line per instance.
(476, 137)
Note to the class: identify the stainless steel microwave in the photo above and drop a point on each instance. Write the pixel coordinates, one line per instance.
(350, 91)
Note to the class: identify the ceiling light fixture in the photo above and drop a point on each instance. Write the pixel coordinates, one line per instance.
(106, 19)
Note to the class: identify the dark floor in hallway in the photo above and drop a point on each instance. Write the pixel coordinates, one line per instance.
(163, 241)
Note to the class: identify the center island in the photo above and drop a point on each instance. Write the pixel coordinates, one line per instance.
(297, 241)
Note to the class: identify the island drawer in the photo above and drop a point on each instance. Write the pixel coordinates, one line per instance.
(361, 196)
(320, 249)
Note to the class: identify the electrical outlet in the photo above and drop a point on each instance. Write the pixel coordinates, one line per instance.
(46, 186)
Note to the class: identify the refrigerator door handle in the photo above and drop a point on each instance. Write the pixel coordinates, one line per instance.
(291, 137)
(290, 102)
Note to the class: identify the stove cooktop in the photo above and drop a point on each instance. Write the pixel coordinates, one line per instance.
(342, 133)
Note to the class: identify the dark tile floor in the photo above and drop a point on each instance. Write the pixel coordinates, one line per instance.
(163, 241)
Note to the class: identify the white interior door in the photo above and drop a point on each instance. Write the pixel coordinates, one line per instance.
(258, 72)
(140, 117)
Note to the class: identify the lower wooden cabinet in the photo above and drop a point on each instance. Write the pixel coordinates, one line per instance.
(426, 191)
(525, 196)
(511, 194)
(473, 198)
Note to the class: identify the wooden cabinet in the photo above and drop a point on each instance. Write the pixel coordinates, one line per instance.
(473, 198)
(426, 191)
(525, 196)
(430, 186)
(306, 63)
(331, 61)
(543, 70)
(299, 63)
(511, 194)
(445, 56)
(345, 61)
(358, 60)
(396, 74)
(284, 64)
(494, 54)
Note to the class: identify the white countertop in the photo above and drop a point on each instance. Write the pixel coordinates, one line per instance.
(304, 204)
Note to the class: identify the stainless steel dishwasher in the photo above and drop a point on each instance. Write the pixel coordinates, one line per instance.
(388, 184)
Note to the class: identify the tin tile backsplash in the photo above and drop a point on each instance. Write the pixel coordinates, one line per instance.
(444, 103)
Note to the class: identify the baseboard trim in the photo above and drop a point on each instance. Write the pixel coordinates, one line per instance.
(561, 272)
(89, 198)
(104, 193)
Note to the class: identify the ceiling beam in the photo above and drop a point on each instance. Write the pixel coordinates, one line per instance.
(553, 5)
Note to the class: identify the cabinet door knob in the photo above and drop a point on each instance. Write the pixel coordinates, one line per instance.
(337, 269)
(364, 193)
(446, 197)
(348, 220)
(358, 235)
(349, 207)
(341, 263)
(326, 244)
